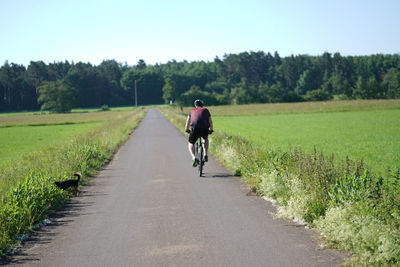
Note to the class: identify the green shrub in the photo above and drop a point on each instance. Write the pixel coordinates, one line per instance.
(104, 108)
(318, 95)
(27, 204)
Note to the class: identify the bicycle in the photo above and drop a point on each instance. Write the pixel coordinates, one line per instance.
(200, 155)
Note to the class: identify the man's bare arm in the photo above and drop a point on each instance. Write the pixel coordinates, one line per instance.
(187, 124)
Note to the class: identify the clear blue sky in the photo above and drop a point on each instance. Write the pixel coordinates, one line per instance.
(161, 30)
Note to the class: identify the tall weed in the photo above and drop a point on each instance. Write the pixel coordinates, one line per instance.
(352, 226)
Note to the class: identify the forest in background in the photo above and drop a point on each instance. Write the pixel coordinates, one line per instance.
(248, 77)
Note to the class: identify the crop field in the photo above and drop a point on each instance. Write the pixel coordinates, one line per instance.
(370, 135)
(305, 107)
(22, 133)
(20, 140)
(38, 119)
(25, 132)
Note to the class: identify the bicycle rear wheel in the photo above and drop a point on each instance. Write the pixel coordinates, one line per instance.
(201, 160)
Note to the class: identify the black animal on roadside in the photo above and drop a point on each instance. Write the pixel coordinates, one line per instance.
(70, 183)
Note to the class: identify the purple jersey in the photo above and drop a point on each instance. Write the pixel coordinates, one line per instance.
(199, 118)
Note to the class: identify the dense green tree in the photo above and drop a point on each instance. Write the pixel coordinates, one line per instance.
(318, 95)
(6, 82)
(3, 105)
(187, 98)
(195, 92)
(128, 84)
(268, 78)
(111, 72)
(200, 73)
(57, 70)
(276, 91)
(16, 93)
(325, 63)
(360, 88)
(305, 83)
(93, 90)
(391, 83)
(243, 93)
(36, 73)
(170, 91)
(57, 96)
(217, 86)
(290, 72)
(277, 59)
(337, 82)
(149, 87)
(347, 89)
(263, 93)
(253, 66)
(224, 98)
(239, 95)
(149, 83)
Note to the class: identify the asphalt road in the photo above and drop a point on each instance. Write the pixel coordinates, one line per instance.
(148, 207)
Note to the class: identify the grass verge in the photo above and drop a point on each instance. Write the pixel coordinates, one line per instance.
(354, 209)
(28, 194)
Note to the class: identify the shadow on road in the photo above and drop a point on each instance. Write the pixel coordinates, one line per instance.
(217, 175)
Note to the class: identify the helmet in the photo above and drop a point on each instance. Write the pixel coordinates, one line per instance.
(198, 103)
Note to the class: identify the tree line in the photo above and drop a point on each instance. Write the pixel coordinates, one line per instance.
(248, 77)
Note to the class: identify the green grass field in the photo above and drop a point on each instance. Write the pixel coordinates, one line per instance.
(304, 107)
(18, 141)
(25, 132)
(37, 119)
(371, 135)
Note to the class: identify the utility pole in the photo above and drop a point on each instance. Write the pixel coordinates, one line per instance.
(135, 94)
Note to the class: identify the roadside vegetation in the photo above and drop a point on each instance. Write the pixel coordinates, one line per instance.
(353, 206)
(84, 143)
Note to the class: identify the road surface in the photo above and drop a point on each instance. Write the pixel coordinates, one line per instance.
(148, 207)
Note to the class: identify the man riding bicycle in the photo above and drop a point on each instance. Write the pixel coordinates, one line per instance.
(200, 122)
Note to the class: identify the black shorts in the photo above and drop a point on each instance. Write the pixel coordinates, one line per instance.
(196, 132)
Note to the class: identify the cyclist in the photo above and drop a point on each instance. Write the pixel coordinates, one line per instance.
(200, 122)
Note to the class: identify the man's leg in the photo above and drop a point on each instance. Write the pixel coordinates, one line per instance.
(191, 150)
(205, 146)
